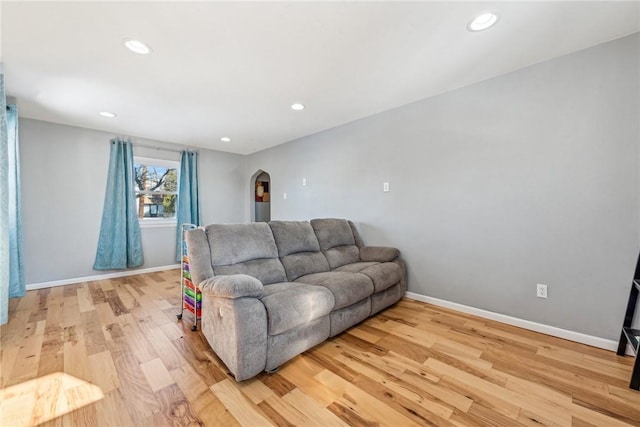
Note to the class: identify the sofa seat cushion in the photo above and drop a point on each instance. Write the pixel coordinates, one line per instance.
(347, 288)
(382, 274)
(290, 305)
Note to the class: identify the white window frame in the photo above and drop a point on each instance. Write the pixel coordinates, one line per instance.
(158, 222)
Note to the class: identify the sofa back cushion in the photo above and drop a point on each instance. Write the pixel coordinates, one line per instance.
(298, 248)
(336, 240)
(245, 249)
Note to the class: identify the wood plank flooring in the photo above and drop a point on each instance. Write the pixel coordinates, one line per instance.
(111, 353)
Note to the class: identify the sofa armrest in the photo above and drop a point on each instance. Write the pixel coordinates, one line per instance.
(235, 323)
(232, 286)
(378, 253)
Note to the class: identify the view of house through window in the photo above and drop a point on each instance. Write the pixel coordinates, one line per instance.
(156, 185)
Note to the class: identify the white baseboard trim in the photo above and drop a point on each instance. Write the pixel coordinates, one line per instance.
(521, 323)
(42, 285)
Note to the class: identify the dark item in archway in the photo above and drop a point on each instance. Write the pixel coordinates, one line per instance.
(262, 191)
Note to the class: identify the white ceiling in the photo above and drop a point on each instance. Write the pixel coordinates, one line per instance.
(234, 68)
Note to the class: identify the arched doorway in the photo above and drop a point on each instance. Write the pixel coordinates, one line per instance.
(262, 197)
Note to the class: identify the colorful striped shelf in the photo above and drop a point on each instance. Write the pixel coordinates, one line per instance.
(190, 293)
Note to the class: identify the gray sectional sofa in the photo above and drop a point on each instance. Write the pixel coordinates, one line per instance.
(271, 291)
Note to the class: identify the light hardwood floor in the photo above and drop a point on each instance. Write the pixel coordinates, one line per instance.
(127, 361)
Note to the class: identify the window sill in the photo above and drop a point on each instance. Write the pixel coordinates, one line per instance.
(153, 223)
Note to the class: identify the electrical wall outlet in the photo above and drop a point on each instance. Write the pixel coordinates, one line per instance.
(385, 187)
(541, 291)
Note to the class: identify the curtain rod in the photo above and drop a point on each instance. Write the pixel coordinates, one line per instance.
(136, 144)
(155, 148)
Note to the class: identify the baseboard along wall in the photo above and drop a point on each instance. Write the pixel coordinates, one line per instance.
(521, 323)
(114, 275)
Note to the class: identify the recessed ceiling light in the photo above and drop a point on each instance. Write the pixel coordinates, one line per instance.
(108, 114)
(297, 106)
(483, 21)
(225, 139)
(137, 46)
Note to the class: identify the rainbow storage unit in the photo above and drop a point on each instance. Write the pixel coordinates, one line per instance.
(190, 293)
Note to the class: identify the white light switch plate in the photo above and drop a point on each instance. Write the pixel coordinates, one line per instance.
(385, 187)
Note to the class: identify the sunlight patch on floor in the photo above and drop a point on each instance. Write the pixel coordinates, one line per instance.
(45, 398)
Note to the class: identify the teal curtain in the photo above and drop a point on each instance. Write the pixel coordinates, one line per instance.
(11, 259)
(188, 210)
(119, 244)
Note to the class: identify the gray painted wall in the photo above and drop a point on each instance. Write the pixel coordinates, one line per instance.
(221, 184)
(64, 172)
(527, 178)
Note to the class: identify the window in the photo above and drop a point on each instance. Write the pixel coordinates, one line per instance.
(156, 185)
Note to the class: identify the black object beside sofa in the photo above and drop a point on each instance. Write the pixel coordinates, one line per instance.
(271, 291)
